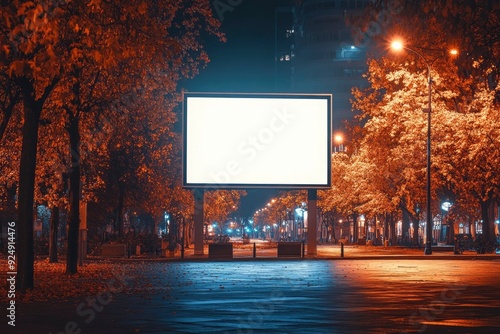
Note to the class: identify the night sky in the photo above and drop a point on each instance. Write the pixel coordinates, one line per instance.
(245, 63)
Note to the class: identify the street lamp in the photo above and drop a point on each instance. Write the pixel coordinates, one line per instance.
(301, 213)
(338, 140)
(449, 231)
(398, 46)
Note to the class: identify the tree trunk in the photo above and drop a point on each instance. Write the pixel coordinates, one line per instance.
(32, 109)
(25, 246)
(355, 227)
(185, 237)
(415, 222)
(331, 235)
(54, 225)
(74, 196)
(491, 222)
(486, 206)
(485, 218)
(119, 218)
(405, 229)
(451, 231)
(366, 229)
(386, 227)
(472, 227)
(178, 235)
(394, 236)
(171, 246)
(189, 234)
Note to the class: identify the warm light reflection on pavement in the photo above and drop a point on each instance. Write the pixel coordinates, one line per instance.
(298, 296)
(430, 296)
(338, 296)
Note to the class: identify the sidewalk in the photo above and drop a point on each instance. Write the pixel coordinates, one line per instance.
(392, 290)
(293, 297)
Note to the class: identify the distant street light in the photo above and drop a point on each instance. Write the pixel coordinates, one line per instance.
(449, 235)
(446, 206)
(398, 45)
(301, 213)
(339, 142)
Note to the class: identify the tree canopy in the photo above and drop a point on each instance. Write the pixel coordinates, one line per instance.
(465, 108)
(65, 67)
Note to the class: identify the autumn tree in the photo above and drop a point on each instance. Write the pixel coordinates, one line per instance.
(10, 146)
(51, 177)
(148, 46)
(468, 153)
(48, 42)
(278, 209)
(181, 205)
(31, 60)
(348, 183)
(464, 91)
(219, 204)
(139, 170)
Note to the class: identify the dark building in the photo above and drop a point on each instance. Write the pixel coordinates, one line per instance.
(322, 57)
(283, 48)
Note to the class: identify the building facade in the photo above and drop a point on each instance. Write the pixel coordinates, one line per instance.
(324, 57)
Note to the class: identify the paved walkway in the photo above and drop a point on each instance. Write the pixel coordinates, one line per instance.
(371, 289)
(295, 296)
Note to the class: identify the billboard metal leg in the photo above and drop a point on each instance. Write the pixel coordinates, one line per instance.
(312, 196)
(199, 195)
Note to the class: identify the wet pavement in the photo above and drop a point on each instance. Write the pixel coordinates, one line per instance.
(380, 295)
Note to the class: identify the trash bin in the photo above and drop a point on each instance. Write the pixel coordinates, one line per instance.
(137, 250)
(386, 243)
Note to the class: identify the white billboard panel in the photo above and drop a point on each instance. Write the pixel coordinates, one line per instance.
(257, 140)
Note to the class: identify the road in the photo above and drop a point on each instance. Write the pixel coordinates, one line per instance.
(290, 296)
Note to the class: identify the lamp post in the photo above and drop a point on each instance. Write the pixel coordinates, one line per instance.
(398, 46)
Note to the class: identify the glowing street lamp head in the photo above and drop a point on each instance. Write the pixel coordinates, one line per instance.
(338, 138)
(446, 206)
(397, 45)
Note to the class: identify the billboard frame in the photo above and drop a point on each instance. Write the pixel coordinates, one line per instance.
(214, 186)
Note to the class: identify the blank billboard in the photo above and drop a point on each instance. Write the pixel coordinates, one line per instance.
(256, 140)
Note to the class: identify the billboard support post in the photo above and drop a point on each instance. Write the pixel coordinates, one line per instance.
(240, 140)
(312, 196)
(199, 203)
